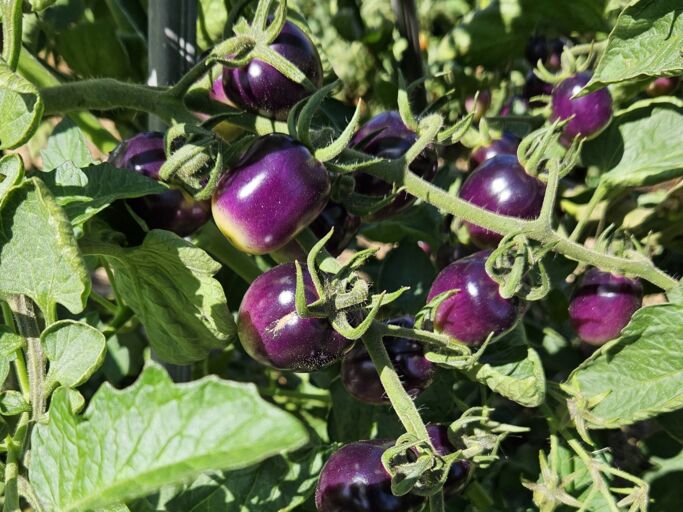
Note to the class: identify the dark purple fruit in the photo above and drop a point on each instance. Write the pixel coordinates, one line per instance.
(354, 480)
(386, 136)
(663, 86)
(591, 112)
(359, 374)
(460, 471)
(275, 190)
(173, 210)
(259, 87)
(603, 304)
(534, 86)
(506, 145)
(345, 227)
(481, 106)
(549, 52)
(271, 331)
(503, 186)
(477, 309)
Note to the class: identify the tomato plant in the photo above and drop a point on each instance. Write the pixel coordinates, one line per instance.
(342, 256)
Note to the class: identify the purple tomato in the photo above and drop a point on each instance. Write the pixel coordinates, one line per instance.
(503, 186)
(534, 86)
(603, 304)
(663, 86)
(275, 190)
(173, 210)
(359, 374)
(481, 106)
(386, 136)
(591, 113)
(477, 309)
(271, 331)
(460, 471)
(506, 145)
(354, 480)
(259, 87)
(345, 227)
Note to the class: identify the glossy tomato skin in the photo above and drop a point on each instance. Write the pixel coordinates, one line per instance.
(172, 210)
(591, 112)
(477, 309)
(460, 471)
(386, 136)
(603, 304)
(506, 145)
(345, 224)
(359, 374)
(258, 87)
(271, 331)
(354, 480)
(502, 185)
(275, 190)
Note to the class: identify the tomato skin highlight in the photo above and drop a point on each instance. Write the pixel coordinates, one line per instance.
(275, 190)
(354, 480)
(602, 305)
(260, 88)
(477, 310)
(386, 136)
(501, 185)
(592, 112)
(273, 334)
(173, 210)
(359, 374)
(506, 145)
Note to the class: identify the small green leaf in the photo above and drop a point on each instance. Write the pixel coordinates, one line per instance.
(641, 373)
(21, 108)
(75, 350)
(645, 42)
(66, 144)
(130, 443)
(513, 369)
(83, 193)
(9, 343)
(642, 146)
(11, 172)
(13, 403)
(38, 253)
(169, 284)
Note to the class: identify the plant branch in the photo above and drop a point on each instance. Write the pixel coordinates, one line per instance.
(15, 446)
(598, 196)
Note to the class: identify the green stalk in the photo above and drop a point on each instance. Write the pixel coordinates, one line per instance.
(399, 398)
(15, 447)
(436, 502)
(20, 360)
(213, 242)
(598, 196)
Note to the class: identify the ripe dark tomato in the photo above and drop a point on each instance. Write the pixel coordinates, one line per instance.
(275, 190)
(354, 480)
(663, 86)
(259, 87)
(477, 309)
(271, 331)
(502, 185)
(591, 112)
(386, 136)
(359, 374)
(173, 210)
(506, 145)
(481, 106)
(549, 52)
(534, 86)
(345, 227)
(603, 304)
(460, 471)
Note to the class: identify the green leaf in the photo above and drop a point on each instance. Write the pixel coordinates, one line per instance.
(11, 172)
(277, 484)
(513, 369)
(83, 193)
(9, 343)
(641, 373)
(75, 350)
(211, 18)
(21, 108)
(66, 144)
(38, 253)
(13, 403)
(645, 42)
(169, 284)
(642, 146)
(130, 443)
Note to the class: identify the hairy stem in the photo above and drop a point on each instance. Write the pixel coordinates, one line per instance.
(20, 360)
(399, 398)
(27, 324)
(15, 446)
(598, 196)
